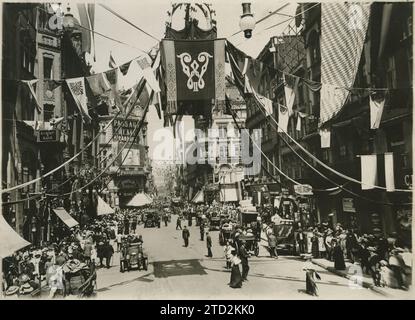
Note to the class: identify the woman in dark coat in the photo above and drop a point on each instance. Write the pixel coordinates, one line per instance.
(236, 277)
(314, 245)
(338, 256)
(310, 278)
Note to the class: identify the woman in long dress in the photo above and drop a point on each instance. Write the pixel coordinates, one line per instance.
(236, 277)
(310, 278)
(338, 256)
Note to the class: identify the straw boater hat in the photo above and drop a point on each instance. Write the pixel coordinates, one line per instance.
(26, 288)
(12, 290)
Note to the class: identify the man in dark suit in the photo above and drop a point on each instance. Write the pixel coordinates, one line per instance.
(243, 255)
(202, 230)
(186, 236)
(209, 245)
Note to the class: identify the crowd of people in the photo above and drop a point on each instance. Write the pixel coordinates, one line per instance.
(383, 258)
(68, 265)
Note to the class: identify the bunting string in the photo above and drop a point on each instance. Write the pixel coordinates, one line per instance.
(237, 70)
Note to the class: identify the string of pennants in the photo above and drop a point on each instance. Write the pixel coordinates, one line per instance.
(249, 76)
(105, 86)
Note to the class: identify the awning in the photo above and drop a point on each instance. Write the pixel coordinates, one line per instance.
(10, 241)
(139, 200)
(199, 197)
(65, 217)
(103, 208)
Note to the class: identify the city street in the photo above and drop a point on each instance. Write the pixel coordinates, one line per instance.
(176, 272)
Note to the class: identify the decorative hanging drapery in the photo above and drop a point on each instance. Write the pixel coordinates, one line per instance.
(194, 75)
(343, 32)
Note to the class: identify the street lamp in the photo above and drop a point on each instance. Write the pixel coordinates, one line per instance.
(247, 22)
(68, 20)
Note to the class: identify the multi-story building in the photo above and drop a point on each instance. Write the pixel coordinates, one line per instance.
(386, 62)
(129, 173)
(284, 53)
(221, 152)
(40, 133)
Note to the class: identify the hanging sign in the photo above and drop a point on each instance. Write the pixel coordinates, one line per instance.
(348, 205)
(194, 74)
(47, 136)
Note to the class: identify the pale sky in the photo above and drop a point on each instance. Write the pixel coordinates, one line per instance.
(151, 17)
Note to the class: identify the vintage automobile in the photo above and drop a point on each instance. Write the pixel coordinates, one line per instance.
(225, 233)
(247, 217)
(132, 256)
(152, 219)
(284, 231)
(214, 223)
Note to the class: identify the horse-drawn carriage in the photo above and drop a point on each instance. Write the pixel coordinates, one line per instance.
(132, 256)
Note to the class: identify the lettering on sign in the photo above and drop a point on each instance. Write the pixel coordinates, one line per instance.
(47, 136)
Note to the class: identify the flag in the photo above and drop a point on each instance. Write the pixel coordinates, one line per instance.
(77, 88)
(283, 118)
(376, 110)
(368, 171)
(30, 84)
(86, 27)
(112, 63)
(91, 14)
(113, 95)
(156, 103)
(148, 73)
(245, 69)
(331, 98)
(124, 67)
(289, 97)
(343, 31)
(99, 84)
(194, 75)
(389, 172)
(264, 103)
(299, 116)
(325, 137)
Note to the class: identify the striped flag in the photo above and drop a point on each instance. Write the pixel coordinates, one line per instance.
(343, 31)
(112, 63)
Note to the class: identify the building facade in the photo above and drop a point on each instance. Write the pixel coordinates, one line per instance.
(386, 62)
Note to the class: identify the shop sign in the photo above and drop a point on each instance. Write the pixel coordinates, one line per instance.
(47, 136)
(303, 189)
(348, 205)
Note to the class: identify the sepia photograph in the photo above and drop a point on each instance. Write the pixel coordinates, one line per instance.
(199, 151)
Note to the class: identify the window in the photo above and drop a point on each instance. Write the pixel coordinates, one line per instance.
(222, 132)
(48, 112)
(342, 150)
(236, 150)
(223, 150)
(47, 67)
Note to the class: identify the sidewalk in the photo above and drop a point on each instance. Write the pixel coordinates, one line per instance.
(367, 281)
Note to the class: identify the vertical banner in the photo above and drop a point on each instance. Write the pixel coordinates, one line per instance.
(343, 31)
(194, 75)
(369, 171)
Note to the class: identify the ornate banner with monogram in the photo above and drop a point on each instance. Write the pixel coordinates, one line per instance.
(194, 74)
